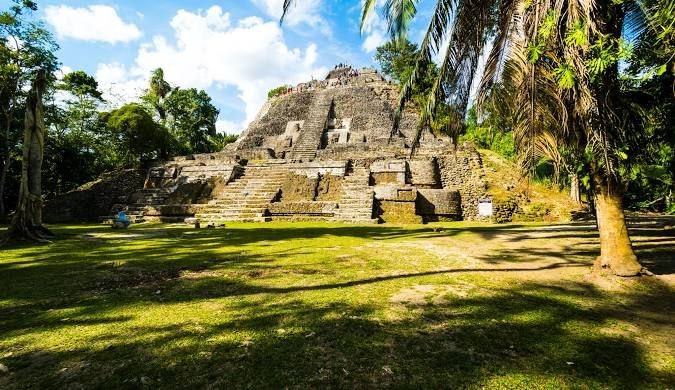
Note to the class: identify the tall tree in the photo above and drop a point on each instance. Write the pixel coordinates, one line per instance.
(75, 142)
(192, 119)
(27, 220)
(159, 89)
(564, 53)
(138, 137)
(26, 48)
(82, 105)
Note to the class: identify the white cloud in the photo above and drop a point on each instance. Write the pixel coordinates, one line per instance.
(63, 71)
(375, 30)
(210, 50)
(118, 85)
(301, 12)
(374, 40)
(230, 127)
(99, 23)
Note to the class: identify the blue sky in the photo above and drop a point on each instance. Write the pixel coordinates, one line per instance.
(234, 49)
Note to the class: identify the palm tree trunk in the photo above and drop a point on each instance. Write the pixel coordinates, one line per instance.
(616, 249)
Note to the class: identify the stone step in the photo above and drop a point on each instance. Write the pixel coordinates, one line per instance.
(241, 201)
(229, 215)
(219, 209)
(364, 209)
(369, 221)
(238, 197)
(221, 220)
(205, 221)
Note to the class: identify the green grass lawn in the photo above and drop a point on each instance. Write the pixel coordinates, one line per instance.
(310, 305)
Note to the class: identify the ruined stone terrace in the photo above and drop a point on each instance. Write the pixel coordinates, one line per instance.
(321, 152)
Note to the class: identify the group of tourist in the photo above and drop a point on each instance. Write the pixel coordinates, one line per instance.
(343, 79)
(340, 81)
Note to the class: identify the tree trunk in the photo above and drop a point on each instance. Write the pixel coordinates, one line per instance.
(3, 180)
(575, 188)
(27, 220)
(616, 249)
(4, 169)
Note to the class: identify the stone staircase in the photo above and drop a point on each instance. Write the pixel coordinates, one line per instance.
(247, 198)
(357, 198)
(146, 199)
(310, 138)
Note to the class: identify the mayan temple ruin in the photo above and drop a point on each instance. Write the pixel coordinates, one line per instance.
(320, 151)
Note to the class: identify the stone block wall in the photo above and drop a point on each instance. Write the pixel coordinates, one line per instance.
(396, 204)
(299, 188)
(312, 169)
(438, 205)
(503, 211)
(397, 212)
(462, 170)
(273, 121)
(388, 172)
(304, 188)
(303, 210)
(94, 199)
(197, 192)
(424, 173)
(329, 188)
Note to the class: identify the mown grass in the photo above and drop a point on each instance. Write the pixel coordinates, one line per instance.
(318, 305)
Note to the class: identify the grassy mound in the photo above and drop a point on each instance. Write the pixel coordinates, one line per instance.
(536, 201)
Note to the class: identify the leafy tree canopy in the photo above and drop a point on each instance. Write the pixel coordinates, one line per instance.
(192, 119)
(80, 83)
(139, 134)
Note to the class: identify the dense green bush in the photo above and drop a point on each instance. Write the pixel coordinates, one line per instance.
(488, 136)
(274, 92)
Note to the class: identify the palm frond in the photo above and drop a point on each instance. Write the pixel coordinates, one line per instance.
(472, 22)
(433, 38)
(506, 25)
(398, 14)
(368, 8)
(286, 7)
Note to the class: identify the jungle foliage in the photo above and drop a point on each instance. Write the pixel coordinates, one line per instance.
(84, 136)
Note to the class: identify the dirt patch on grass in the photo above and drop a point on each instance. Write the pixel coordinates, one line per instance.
(425, 294)
(413, 296)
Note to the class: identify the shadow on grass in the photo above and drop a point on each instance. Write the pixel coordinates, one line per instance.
(532, 335)
(527, 335)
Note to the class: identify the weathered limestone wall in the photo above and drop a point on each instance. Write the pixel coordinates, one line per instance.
(462, 170)
(299, 211)
(329, 188)
(388, 172)
(94, 199)
(282, 110)
(439, 205)
(396, 212)
(318, 187)
(424, 173)
(396, 204)
(299, 188)
(177, 174)
(371, 117)
(197, 192)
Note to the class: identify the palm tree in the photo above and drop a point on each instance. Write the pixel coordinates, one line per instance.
(562, 56)
(157, 93)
